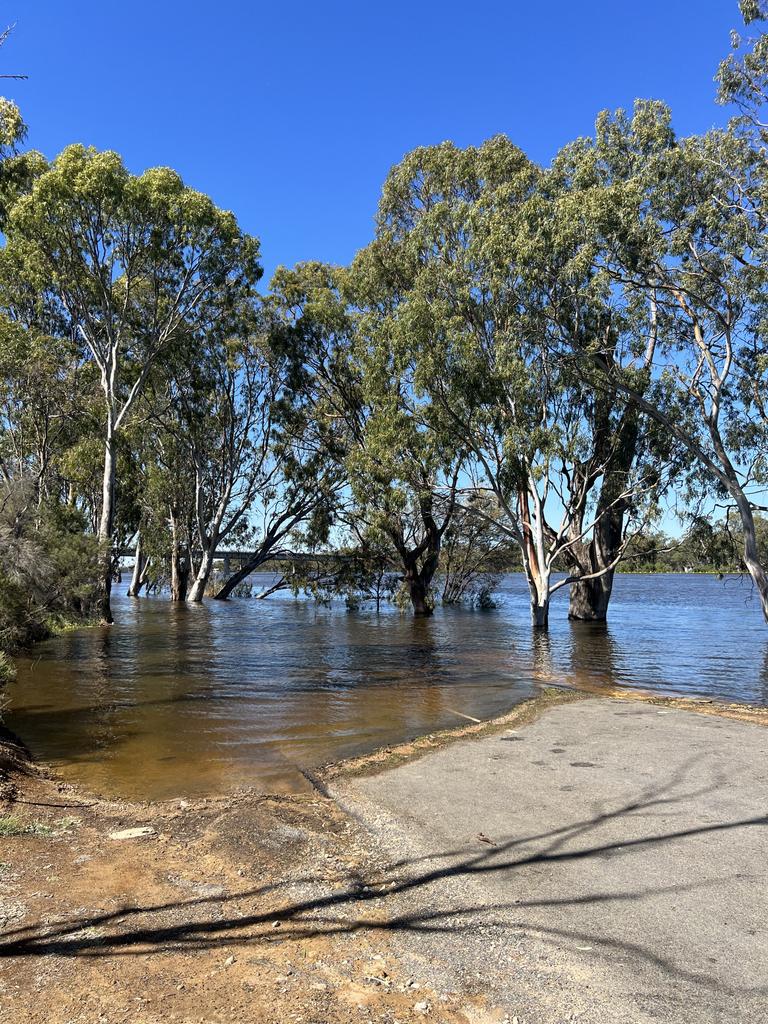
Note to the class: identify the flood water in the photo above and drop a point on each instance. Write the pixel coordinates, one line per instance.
(177, 700)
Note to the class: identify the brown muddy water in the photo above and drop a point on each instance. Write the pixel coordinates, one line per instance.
(194, 700)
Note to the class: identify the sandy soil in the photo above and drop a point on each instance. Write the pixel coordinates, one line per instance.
(239, 909)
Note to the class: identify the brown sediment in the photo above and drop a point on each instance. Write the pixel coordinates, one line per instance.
(240, 907)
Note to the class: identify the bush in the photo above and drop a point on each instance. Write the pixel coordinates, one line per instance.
(48, 569)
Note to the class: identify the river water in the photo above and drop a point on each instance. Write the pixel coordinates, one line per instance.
(177, 700)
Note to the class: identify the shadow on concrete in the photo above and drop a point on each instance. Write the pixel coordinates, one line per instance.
(375, 902)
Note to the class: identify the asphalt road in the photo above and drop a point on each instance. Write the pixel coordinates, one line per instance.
(607, 864)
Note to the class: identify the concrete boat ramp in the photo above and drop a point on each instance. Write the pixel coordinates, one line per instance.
(607, 864)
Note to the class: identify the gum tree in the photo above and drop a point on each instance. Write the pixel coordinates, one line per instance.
(680, 233)
(391, 446)
(133, 262)
(482, 278)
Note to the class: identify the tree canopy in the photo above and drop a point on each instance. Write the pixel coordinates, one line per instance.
(525, 366)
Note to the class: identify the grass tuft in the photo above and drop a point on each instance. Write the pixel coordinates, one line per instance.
(10, 826)
(13, 826)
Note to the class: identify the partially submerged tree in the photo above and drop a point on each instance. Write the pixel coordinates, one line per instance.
(476, 553)
(482, 278)
(401, 466)
(133, 262)
(683, 243)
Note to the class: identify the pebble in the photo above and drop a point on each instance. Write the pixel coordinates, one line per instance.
(423, 1007)
(229, 961)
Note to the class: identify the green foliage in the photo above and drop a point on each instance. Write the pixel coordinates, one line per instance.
(7, 668)
(48, 569)
(742, 77)
(12, 827)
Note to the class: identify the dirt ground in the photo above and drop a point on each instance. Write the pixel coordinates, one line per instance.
(239, 909)
(244, 908)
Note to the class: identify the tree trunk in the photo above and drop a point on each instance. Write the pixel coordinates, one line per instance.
(197, 590)
(244, 571)
(589, 599)
(752, 561)
(536, 565)
(106, 526)
(540, 610)
(139, 565)
(418, 579)
(751, 553)
(180, 564)
(419, 594)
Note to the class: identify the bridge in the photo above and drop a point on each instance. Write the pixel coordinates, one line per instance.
(233, 559)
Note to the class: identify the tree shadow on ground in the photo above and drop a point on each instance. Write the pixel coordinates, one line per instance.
(375, 902)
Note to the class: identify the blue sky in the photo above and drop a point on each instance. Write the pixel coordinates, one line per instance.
(291, 114)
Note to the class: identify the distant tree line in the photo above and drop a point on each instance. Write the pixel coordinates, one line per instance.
(520, 368)
(705, 547)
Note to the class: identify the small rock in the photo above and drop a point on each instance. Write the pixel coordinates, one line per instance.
(229, 961)
(423, 1007)
(133, 833)
(275, 924)
(319, 986)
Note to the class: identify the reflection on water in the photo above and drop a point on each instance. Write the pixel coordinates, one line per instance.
(178, 700)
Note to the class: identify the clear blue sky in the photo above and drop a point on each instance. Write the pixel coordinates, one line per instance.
(290, 114)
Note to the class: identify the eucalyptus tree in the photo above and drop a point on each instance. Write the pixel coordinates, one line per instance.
(743, 76)
(133, 262)
(225, 408)
(236, 460)
(678, 228)
(481, 276)
(299, 477)
(476, 553)
(44, 405)
(17, 168)
(165, 541)
(389, 445)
